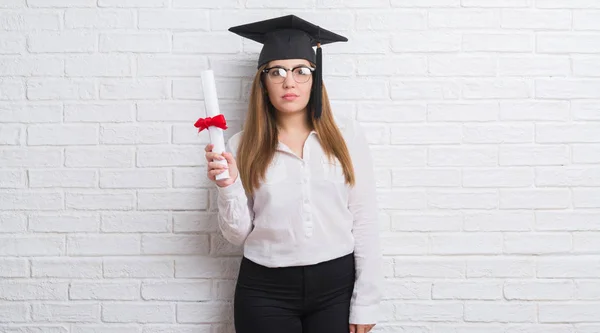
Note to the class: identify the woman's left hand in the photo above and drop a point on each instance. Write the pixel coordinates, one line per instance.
(361, 328)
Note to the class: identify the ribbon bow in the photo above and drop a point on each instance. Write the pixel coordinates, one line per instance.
(217, 121)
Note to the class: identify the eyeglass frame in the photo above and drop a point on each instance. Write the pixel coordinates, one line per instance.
(311, 69)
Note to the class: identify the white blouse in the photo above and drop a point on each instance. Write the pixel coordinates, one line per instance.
(304, 213)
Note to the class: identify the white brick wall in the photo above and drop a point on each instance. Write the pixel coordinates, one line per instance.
(483, 117)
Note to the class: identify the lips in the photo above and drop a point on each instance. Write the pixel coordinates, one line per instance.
(290, 97)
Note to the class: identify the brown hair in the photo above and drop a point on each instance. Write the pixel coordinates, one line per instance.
(259, 138)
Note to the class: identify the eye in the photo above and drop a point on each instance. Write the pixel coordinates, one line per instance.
(302, 71)
(277, 72)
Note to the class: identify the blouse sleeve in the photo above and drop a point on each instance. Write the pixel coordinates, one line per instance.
(362, 203)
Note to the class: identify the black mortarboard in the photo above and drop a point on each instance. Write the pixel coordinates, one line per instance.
(290, 37)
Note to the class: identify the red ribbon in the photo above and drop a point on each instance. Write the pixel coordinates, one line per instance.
(217, 121)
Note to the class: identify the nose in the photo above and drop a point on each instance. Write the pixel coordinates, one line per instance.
(289, 81)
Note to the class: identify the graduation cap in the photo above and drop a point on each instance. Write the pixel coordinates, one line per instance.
(290, 37)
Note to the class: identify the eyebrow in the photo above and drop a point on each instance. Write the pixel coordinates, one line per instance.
(297, 65)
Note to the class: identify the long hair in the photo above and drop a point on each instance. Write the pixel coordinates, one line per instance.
(259, 138)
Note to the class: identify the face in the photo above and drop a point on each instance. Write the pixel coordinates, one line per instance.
(292, 93)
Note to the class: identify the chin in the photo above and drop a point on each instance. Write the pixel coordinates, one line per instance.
(289, 108)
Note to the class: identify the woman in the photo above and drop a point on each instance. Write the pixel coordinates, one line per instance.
(300, 197)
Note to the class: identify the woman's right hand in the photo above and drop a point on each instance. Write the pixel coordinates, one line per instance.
(214, 168)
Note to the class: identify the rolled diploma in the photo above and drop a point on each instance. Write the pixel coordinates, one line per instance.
(211, 104)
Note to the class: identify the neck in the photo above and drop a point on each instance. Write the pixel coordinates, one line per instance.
(293, 122)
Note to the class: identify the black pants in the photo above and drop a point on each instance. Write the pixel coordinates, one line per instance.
(298, 299)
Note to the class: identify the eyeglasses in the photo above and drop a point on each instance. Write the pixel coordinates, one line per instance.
(278, 74)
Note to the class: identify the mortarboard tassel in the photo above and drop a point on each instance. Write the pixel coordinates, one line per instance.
(318, 82)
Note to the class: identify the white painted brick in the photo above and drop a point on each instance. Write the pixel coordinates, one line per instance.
(471, 243)
(571, 312)
(206, 267)
(496, 89)
(203, 4)
(500, 312)
(31, 113)
(173, 19)
(586, 66)
(495, 3)
(534, 198)
(134, 89)
(462, 199)
(206, 328)
(537, 243)
(425, 3)
(191, 178)
(31, 200)
(181, 199)
(538, 110)
(357, 89)
(66, 268)
(500, 134)
(62, 42)
(133, 312)
(536, 19)
(519, 66)
(554, 42)
(13, 268)
(402, 157)
(585, 110)
(426, 134)
(13, 179)
(586, 20)
(61, 3)
(470, 156)
(500, 267)
(497, 42)
(170, 156)
(424, 90)
(567, 220)
(103, 245)
(99, 19)
(224, 289)
(460, 112)
(397, 243)
(138, 268)
(393, 112)
(99, 112)
(31, 20)
(403, 42)
(17, 312)
(587, 242)
(12, 43)
(64, 222)
(204, 312)
(99, 157)
(587, 328)
(390, 20)
(429, 267)
(192, 42)
(407, 290)
(587, 289)
(62, 135)
(98, 66)
(100, 200)
(585, 153)
(61, 89)
(221, 20)
(175, 244)
(426, 222)
(14, 290)
(376, 134)
(133, 3)
(62, 178)
(38, 328)
(374, 43)
(428, 311)
(567, 4)
(13, 222)
(567, 176)
(159, 65)
(575, 132)
(12, 3)
(499, 221)
(463, 18)
(180, 290)
(527, 155)
(387, 66)
(219, 246)
(505, 177)
(31, 66)
(426, 177)
(470, 328)
(135, 222)
(397, 199)
(11, 89)
(142, 42)
(586, 197)
(568, 267)
(452, 65)
(192, 89)
(567, 88)
(473, 290)
(106, 328)
(124, 134)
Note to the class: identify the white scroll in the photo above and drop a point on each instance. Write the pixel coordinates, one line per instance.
(211, 104)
